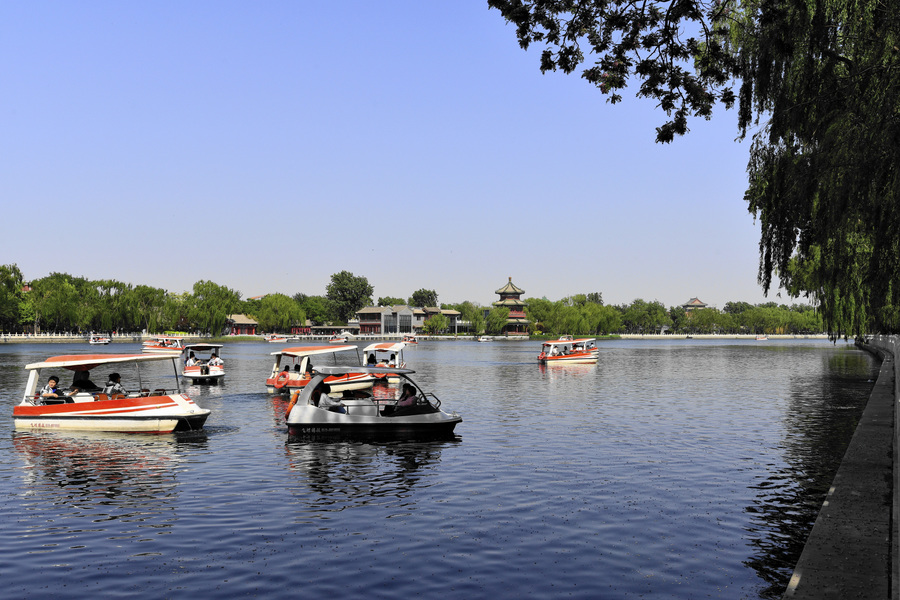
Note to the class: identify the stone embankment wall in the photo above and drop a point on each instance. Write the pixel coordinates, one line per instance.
(851, 551)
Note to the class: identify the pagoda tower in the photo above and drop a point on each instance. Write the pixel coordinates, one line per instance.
(511, 298)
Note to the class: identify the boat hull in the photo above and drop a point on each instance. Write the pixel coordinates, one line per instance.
(200, 374)
(144, 414)
(362, 419)
(571, 359)
(162, 351)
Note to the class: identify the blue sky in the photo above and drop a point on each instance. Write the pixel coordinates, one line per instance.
(267, 145)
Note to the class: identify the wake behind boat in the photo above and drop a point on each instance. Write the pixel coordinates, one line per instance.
(416, 413)
(114, 408)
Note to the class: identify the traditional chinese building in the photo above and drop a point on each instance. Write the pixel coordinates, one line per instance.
(240, 325)
(693, 304)
(511, 298)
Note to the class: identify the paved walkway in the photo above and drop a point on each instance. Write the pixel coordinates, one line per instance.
(849, 552)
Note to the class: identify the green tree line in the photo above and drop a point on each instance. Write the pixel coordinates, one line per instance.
(62, 302)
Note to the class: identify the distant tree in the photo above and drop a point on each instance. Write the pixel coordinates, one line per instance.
(473, 313)
(10, 297)
(147, 304)
(278, 312)
(56, 302)
(496, 320)
(176, 312)
(436, 324)
(390, 301)
(423, 298)
(348, 293)
(212, 303)
(318, 309)
(595, 298)
(735, 308)
(679, 319)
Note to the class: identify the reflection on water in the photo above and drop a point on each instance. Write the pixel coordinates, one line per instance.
(820, 418)
(345, 475)
(667, 470)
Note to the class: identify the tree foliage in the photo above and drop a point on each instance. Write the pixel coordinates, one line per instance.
(423, 298)
(318, 309)
(211, 304)
(436, 324)
(390, 301)
(821, 83)
(277, 312)
(348, 293)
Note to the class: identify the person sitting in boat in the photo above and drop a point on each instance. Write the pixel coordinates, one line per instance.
(192, 361)
(408, 396)
(51, 390)
(554, 351)
(393, 361)
(114, 385)
(406, 405)
(297, 374)
(371, 362)
(215, 361)
(323, 400)
(82, 383)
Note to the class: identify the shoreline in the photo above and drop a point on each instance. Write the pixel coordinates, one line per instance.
(139, 338)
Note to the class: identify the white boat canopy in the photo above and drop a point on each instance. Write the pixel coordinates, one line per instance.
(569, 342)
(86, 362)
(301, 351)
(202, 347)
(385, 347)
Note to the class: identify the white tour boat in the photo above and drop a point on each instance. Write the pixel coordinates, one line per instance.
(276, 338)
(569, 351)
(164, 344)
(385, 354)
(411, 339)
(98, 340)
(207, 365)
(339, 338)
(293, 369)
(85, 406)
(313, 411)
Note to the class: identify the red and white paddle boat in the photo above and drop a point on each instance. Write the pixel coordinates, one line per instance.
(86, 406)
(276, 338)
(567, 351)
(339, 338)
(203, 363)
(98, 340)
(293, 369)
(169, 345)
(385, 354)
(410, 339)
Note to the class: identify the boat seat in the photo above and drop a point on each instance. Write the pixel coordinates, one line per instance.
(159, 392)
(101, 397)
(118, 396)
(145, 392)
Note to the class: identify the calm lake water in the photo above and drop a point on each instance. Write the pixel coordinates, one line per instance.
(671, 469)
